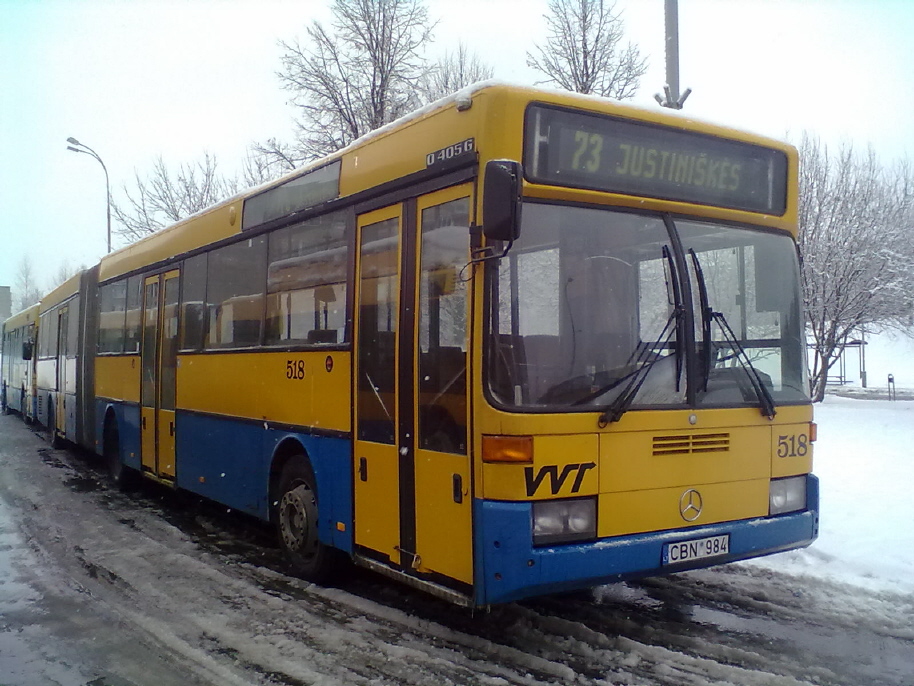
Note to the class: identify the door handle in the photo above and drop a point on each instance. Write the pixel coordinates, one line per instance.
(363, 469)
(144, 423)
(171, 428)
(458, 488)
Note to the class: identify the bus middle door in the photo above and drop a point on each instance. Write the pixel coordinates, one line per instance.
(159, 367)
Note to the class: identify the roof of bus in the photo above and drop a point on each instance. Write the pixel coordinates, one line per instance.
(374, 156)
(27, 316)
(68, 288)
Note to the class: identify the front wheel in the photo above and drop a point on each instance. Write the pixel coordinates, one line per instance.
(296, 519)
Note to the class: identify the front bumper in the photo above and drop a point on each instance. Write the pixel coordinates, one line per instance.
(509, 568)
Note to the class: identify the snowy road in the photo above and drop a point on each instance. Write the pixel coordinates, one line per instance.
(98, 588)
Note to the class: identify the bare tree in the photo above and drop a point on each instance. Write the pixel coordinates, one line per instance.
(26, 284)
(359, 74)
(454, 71)
(165, 197)
(584, 51)
(856, 221)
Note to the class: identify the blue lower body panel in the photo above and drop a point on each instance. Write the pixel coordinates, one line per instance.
(509, 567)
(228, 460)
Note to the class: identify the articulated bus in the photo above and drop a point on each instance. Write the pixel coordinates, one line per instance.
(517, 343)
(17, 378)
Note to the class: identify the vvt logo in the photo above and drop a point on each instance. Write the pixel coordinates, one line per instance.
(557, 480)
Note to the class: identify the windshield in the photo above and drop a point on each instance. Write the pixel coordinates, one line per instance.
(752, 286)
(600, 309)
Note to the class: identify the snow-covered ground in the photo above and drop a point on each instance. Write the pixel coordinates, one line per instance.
(885, 353)
(864, 458)
(98, 587)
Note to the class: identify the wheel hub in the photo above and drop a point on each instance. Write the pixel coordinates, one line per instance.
(295, 518)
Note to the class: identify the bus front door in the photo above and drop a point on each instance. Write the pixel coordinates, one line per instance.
(159, 365)
(413, 503)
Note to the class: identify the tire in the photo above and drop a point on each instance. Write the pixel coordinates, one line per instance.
(55, 441)
(296, 518)
(121, 476)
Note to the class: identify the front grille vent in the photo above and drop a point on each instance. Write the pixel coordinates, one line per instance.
(688, 444)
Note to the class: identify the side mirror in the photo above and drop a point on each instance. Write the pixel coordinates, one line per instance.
(501, 200)
(27, 351)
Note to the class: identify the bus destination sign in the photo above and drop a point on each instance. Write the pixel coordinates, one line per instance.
(569, 148)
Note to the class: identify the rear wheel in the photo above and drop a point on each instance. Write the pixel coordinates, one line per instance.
(296, 518)
(122, 476)
(53, 439)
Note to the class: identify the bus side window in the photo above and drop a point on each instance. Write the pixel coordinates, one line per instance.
(306, 282)
(235, 282)
(134, 318)
(111, 309)
(193, 303)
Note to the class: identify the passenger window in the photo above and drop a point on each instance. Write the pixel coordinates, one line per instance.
(73, 328)
(306, 282)
(112, 305)
(193, 303)
(235, 294)
(134, 315)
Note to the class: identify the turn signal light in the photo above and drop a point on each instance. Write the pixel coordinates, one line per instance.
(813, 432)
(516, 449)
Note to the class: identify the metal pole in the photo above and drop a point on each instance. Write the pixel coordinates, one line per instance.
(82, 147)
(671, 97)
(671, 13)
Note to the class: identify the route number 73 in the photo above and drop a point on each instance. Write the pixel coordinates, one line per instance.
(793, 445)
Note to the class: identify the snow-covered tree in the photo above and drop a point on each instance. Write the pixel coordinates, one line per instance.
(454, 71)
(857, 245)
(584, 52)
(166, 196)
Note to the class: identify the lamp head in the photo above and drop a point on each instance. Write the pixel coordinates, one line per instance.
(73, 141)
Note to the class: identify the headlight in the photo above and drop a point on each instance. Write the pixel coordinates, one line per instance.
(787, 495)
(563, 521)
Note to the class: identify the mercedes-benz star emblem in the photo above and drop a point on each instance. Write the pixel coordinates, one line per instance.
(690, 505)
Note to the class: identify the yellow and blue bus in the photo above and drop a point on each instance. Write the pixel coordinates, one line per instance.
(17, 378)
(520, 342)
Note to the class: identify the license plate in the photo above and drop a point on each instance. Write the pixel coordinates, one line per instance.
(696, 549)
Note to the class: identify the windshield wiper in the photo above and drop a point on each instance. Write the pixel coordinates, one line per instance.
(708, 316)
(618, 407)
(766, 400)
(614, 411)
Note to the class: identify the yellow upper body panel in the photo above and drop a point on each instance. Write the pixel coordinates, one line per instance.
(24, 318)
(66, 290)
(493, 117)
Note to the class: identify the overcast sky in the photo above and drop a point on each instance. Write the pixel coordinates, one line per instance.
(135, 79)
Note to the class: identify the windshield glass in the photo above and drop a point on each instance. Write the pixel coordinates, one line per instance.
(583, 300)
(587, 311)
(751, 279)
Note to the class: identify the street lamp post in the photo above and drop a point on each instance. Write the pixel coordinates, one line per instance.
(76, 146)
